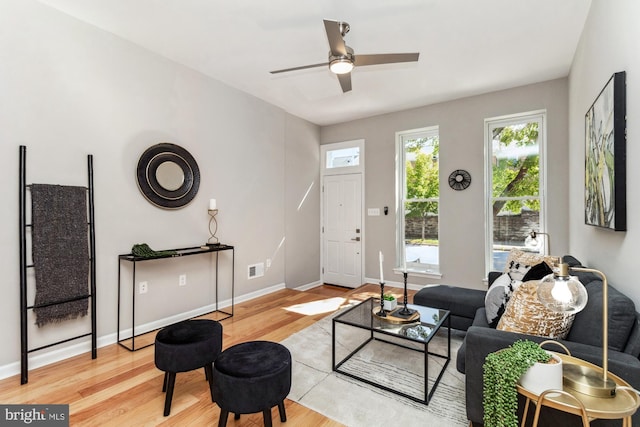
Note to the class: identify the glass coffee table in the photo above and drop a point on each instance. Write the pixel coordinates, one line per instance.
(410, 336)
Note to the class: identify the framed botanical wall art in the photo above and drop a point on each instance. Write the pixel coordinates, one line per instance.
(605, 157)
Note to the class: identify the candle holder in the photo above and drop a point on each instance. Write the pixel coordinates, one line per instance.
(212, 234)
(405, 312)
(382, 313)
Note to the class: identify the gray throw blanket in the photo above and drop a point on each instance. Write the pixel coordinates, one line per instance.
(60, 251)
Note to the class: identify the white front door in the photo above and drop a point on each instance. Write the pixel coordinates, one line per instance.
(342, 236)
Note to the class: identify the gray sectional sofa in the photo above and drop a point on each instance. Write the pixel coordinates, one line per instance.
(584, 340)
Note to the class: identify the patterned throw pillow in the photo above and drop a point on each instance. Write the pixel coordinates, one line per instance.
(521, 266)
(497, 297)
(537, 272)
(520, 260)
(519, 270)
(525, 314)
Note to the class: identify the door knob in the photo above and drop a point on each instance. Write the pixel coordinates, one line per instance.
(357, 239)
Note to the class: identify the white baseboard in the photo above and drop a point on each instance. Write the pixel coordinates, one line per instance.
(395, 284)
(44, 358)
(308, 286)
(367, 280)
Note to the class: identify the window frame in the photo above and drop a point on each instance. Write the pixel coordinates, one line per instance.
(539, 116)
(421, 269)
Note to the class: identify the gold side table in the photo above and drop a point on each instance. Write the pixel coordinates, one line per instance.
(622, 406)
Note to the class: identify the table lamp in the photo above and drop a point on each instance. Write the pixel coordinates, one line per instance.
(564, 293)
(533, 241)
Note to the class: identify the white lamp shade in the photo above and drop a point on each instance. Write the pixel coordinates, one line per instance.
(562, 294)
(533, 242)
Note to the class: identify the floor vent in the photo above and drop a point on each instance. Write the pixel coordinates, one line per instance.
(256, 270)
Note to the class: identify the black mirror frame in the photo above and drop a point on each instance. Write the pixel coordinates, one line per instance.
(148, 183)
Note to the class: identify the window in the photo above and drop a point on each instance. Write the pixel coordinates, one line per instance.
(418, 198)
(515, 183)
(342, 157)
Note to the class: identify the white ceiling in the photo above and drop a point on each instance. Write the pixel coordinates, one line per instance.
(467, 47)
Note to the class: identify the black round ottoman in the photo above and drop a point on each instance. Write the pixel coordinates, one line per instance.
(252, 377)
(185, 346)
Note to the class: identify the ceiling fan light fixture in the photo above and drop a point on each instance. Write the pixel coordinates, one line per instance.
(341, 65)
(342, 60)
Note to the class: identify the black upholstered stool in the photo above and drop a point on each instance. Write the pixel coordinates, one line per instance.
(252, 377)
(186, 346)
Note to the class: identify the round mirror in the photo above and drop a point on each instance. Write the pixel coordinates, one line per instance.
(168, 176)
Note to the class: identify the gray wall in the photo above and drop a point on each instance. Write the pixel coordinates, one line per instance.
(69, 89)
(462, 220)
(302, 216)
(609, 44)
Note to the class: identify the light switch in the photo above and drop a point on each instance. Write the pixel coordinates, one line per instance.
(373, 212)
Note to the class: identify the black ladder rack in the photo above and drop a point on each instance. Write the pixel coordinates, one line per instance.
(24, 304)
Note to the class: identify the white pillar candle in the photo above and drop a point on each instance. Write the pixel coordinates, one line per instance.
(381, 275)
(212, 204)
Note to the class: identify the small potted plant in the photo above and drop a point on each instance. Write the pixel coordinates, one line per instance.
(502, 371)
(390, 302)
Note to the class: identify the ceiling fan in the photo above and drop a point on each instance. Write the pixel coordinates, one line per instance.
(342, 59)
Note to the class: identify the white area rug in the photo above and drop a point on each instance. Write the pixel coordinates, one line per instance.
(354, 403)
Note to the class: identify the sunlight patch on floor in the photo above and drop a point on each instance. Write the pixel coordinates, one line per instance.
(317, 307)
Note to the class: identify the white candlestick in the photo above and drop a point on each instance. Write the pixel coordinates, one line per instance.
(212, 204)
(404, 265)
(381, 275)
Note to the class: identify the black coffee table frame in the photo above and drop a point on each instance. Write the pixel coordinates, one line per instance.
(360, 316)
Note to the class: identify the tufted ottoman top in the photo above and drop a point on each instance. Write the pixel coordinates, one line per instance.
(188, 345)
(253, 359)
(190, 331)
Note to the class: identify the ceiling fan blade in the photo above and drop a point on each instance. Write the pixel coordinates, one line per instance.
(385, 58)
(345, 81)
(303, 67)
(334, 35)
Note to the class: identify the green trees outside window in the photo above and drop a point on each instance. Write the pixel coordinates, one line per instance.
(514, 198)
(516, 174)
(423, 187)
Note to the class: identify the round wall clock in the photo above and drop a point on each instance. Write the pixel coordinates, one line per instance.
(459, 179)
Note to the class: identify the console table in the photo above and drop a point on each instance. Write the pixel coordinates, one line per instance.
(130, 342)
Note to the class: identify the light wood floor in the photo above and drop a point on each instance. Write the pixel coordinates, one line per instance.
(123, 388)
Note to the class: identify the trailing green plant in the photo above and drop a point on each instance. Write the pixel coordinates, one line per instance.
(143, 250)
(501, 372)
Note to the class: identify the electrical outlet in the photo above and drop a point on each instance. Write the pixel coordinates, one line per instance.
(182, 280)
(268, 262)
(144, 287)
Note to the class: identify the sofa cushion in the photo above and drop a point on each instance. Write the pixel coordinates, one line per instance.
(461, 302)
(526, 314)
(633, 343)
(587, 327)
